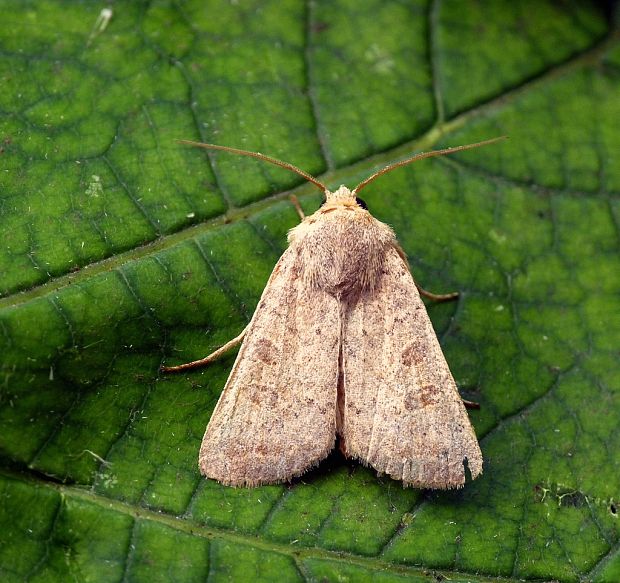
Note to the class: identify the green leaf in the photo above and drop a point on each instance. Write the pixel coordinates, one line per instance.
(123, 250)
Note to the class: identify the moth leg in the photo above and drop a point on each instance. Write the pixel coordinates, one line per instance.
(437, 297)
(470, 404)
(297, 206)
(207, 359)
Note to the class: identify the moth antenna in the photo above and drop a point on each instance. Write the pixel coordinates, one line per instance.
(421, 156)
(260, 156)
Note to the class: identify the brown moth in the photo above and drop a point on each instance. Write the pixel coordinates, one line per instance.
(340, 345)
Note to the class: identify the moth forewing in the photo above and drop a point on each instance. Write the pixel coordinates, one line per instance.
(275, 418)
(341, 346)
(403, 414)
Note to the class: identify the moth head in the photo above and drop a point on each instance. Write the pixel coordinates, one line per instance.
(343, 197)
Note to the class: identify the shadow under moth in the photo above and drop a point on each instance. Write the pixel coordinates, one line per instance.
(340, 346)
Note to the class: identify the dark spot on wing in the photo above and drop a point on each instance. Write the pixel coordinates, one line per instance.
(412, 354)
(265, 351)
(410, 402)
(426, 395)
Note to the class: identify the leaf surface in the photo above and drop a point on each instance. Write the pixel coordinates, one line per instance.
(123, 250)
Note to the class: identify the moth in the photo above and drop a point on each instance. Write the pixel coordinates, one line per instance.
(340, 348)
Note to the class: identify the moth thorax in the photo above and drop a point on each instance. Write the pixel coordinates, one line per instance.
(344, 253)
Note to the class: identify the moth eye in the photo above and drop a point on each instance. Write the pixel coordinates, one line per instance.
(361, 203)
